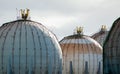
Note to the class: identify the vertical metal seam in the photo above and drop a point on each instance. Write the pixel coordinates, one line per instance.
(74, 57)
(4, 28)
(82, 40)
(26, 45)
(18, 31)
(117, 51)
(112, 45)
(107, 45)
(44, 41)
(67, 54)
(53, 52)
(97, 52)
(13, 47)
(33, 46)
(54, 62)
(20, 45)
(62, 47)
(113, 42)
(39, 41)
(11, 24)
(63, 53)
(115, 36)
(78, 55)
(44, 29)
(88, 45)
(93, 56)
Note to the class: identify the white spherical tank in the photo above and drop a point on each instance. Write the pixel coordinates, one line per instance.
(27, 47)
(81, 55)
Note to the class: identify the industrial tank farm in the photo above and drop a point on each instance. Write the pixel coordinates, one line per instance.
(27, 47)
(101, 35)
(81, 54)
(111, 48)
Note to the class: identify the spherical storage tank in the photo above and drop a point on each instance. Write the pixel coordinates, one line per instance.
(81, 54)
(27, 47)
(111, 52)
(101, 35)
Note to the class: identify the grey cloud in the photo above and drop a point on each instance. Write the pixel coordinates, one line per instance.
(89, 14)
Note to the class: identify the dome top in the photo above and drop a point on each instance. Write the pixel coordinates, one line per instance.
(101, 35)
(28, 47)
(79, 38)
(81, 54)
(102, 31)
(82, 41)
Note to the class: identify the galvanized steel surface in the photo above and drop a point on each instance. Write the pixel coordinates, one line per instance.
(27, 47)
(83, 53)
(111, 49)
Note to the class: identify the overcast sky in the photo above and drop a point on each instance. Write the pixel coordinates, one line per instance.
(62, 16)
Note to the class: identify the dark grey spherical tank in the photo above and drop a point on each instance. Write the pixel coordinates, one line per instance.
(27, 47)
(101, 35)
(111, 50)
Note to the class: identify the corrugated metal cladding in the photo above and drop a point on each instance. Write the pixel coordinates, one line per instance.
(81, 55)
(100, 37)
(112, 50)
(27, 47)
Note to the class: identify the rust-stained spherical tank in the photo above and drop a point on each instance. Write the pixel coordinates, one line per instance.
(101, 35)
(81, 55)
(111, 52)
(28, 47)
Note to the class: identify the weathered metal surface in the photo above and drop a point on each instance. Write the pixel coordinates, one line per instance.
(112, 50)
(80, 49)
(27, 47)
(100, 36)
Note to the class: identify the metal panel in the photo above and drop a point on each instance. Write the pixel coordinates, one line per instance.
(100, 36)
(27, 47)
(111, 48)
(78, 50)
